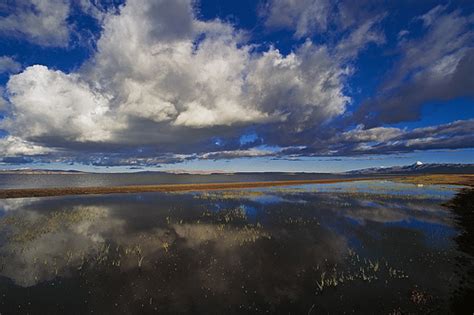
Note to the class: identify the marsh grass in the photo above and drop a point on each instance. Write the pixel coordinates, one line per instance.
(228, 194)
(356, 268)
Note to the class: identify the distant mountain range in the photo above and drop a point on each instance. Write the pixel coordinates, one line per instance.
(418, 168)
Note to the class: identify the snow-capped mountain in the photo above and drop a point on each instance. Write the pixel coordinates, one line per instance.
(419, 168)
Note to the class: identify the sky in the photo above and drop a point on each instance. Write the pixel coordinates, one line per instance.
(248, 85)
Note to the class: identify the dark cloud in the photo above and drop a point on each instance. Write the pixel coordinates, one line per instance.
(16, 160)
(436, 67)
(304, 17)
(9, 65)
(38, 21)
(385, 140)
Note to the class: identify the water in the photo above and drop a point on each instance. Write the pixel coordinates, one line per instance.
(151, 178)
(373, 247)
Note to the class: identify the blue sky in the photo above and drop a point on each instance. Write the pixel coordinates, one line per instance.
(277, 85)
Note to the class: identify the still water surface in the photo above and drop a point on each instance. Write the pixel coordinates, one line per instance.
(8, 181)
(371, 247)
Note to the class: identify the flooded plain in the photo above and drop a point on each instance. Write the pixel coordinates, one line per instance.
(370, 247)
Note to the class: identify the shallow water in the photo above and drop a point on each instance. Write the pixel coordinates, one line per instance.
(8, 181)
(361, 247)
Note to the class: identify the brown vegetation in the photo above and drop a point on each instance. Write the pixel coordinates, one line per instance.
(439, 179)
(44, 192)
(451, 179)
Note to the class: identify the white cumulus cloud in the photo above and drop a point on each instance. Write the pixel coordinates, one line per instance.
(51, 103)
(175, 75)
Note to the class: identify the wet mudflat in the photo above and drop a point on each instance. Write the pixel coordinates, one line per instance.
(357, 247)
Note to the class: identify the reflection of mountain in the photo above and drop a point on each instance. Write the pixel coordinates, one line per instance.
(418, 168)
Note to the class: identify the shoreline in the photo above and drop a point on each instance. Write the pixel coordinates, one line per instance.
(451, 179)
(51, 192)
